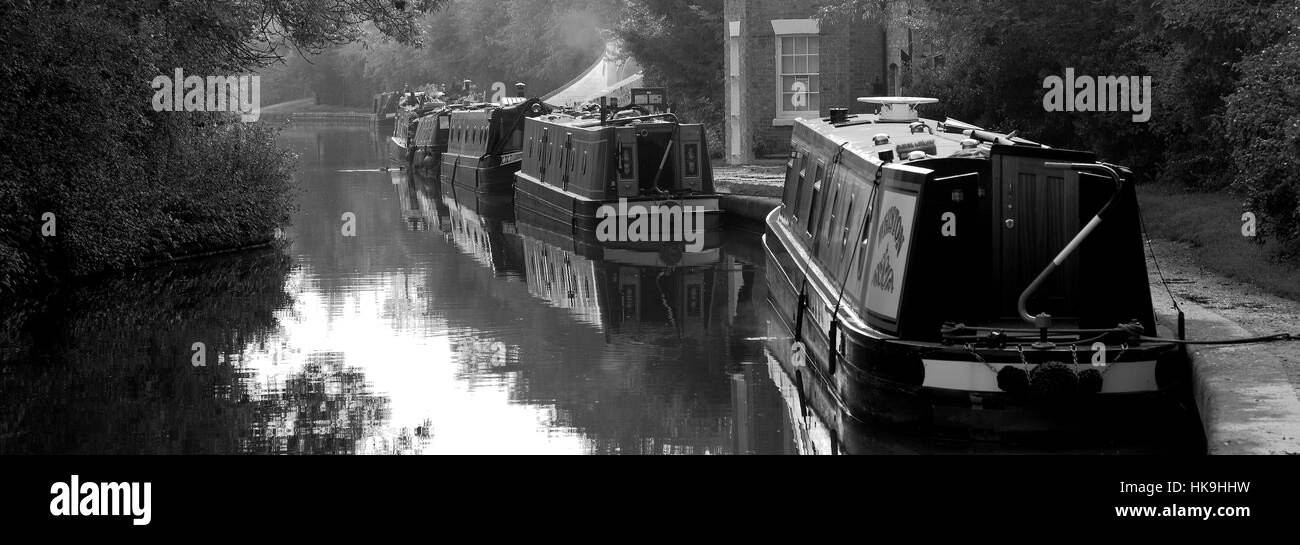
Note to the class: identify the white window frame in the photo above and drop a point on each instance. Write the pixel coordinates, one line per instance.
(793, 28)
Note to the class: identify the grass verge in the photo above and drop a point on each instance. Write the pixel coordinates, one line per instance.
(1212, 224)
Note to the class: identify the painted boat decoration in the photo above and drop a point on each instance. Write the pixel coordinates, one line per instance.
(963, 279)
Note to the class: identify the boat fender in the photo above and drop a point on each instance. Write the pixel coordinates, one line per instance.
(1013, 380)
(1052, 379)
(1090, 381)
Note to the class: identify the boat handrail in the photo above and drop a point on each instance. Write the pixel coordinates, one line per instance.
(667, 115)
(1043, 320)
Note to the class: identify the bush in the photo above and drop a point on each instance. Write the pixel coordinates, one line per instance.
(126, 185)
(1263, 124)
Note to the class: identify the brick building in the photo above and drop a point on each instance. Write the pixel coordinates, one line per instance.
(784, 63)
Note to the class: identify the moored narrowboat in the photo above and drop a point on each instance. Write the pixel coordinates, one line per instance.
(597, 173)
(485, 144)
(416, 107)
(430, 141)
(963, 279)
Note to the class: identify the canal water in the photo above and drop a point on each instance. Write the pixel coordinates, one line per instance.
(445, 324)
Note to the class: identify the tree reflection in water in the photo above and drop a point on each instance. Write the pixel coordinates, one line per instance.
(324, 408)
(106, 367)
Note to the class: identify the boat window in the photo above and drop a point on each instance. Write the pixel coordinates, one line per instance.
(866, 232)
(848, 217)
(835, 200)
(798, 190)
(791, 176)
(816, 191)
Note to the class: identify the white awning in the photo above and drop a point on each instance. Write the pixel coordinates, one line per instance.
(612, 75)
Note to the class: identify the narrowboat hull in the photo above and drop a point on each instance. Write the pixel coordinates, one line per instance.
(400, 152)
(489, 176)
(872, 377)
(427, 157)
(560, 232)
(583, 213)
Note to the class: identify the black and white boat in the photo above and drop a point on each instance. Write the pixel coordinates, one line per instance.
(936, 274)
(581, 169)
(485, 144)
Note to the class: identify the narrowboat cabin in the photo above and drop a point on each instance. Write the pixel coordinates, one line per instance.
(939, 275)
(485, 145)
(430, 141)
(581, 170)
(405, 126)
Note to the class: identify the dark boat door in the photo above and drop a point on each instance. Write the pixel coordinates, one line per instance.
(1036, 213)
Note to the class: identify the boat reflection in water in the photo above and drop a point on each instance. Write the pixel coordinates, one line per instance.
(655, 349)
(643, 348)
(446, 324)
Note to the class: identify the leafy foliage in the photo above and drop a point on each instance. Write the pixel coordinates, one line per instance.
(679, 44)
(1223, 80)
(542, 44)
(1262, 119)
(128, 185)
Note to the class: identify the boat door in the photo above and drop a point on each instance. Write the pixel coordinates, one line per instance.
(1036, 213)
(627, 161)
(692, 155)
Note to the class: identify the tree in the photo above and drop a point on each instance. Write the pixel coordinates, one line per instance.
(542, 44)
(81, 141)
(679, 44)
(1262, 121)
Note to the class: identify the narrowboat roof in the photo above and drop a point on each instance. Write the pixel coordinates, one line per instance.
(593, 123)
(858, 134)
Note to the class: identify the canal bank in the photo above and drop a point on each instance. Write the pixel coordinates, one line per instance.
(1247, 395)
(748, 193)
(1245, 401)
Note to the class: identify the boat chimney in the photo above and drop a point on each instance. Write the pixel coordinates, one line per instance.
(521, 90)
(839, 115)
